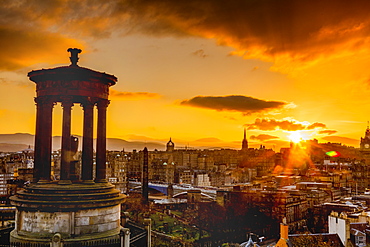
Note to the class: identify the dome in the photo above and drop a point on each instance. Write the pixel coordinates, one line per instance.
(170, 143)
(170, 146)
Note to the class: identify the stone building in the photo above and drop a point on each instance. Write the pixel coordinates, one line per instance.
(116, 170)
(275, 204)
(161, 170)
(134, 165)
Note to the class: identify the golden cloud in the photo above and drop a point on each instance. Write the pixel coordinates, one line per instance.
(132, 95)
(263, 137)
(22, 48)
(315, 126)
(328, 132)
(288, 125)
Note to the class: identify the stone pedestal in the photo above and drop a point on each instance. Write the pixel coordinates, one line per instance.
(82, 215)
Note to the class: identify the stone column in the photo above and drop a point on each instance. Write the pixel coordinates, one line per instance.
(66, 158)
(87, 143)
(43, 139)
(101, 142)
(37, 167)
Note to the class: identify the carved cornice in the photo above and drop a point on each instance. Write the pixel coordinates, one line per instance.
(46, 101)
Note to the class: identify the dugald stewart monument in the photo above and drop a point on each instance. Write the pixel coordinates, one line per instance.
(79, 208)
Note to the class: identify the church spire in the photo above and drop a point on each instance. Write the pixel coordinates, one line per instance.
(367, 132)
(245, 141)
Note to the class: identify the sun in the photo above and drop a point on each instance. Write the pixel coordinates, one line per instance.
(295, 136)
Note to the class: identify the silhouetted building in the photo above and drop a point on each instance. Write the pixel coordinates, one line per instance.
(245, 141)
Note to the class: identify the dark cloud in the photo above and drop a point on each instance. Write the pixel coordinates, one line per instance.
(263, 137)
(239, 103)
(132, 95)
(294, 30)
(273, 124)
(328, 132)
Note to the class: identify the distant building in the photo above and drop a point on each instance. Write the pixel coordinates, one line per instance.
(201, 180)
(365, 146)
(365, 141)
(3, 182)
(116, 169)
(161, 170)
(275, 204)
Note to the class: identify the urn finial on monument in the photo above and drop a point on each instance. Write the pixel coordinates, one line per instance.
(74, 55)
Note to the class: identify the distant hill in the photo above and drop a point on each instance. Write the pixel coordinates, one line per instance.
(119, 144)
(17, 138)
(20, 141)
(8, 147)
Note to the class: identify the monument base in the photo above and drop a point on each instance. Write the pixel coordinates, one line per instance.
(67, 215)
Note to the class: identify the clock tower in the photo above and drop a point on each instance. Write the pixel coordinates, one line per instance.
(365, 142)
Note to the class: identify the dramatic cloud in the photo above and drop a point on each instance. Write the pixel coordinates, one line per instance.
(281, 31)
(132, 95)
(263, 137)
(289, 125)
(287, 32)
(239, 103)
(328, 132)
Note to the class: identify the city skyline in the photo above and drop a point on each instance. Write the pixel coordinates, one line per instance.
(199, 69)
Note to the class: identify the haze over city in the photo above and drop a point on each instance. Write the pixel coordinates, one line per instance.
(190, 70)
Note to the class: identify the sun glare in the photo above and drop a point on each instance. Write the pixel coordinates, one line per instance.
(295, 136)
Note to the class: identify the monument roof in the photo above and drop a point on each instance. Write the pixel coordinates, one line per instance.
(72, 72)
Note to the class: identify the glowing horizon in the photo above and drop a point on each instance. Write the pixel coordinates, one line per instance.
(185, 69)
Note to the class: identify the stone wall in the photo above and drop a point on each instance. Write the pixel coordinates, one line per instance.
(81, 222)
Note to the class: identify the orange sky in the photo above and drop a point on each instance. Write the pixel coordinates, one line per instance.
(199, 69)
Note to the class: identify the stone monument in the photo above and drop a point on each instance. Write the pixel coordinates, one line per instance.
(76, 209)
